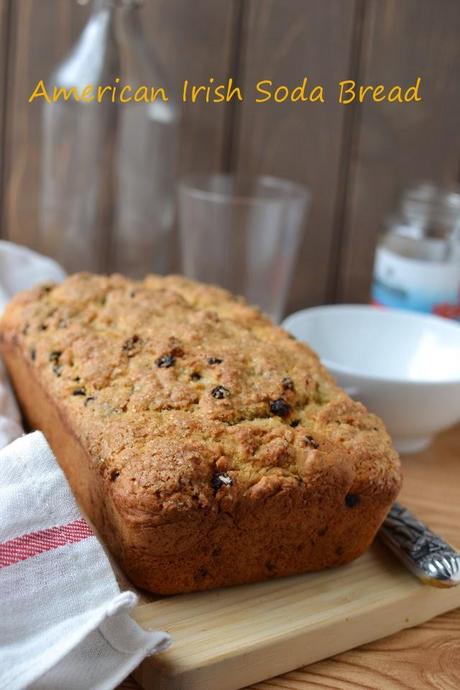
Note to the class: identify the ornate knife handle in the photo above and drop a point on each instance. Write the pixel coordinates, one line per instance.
(424, 553)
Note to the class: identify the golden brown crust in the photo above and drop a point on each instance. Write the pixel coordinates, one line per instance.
(208, 446)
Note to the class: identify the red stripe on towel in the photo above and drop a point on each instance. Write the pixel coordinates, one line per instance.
(34, 543)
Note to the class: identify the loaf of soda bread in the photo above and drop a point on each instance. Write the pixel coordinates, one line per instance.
(207, 445)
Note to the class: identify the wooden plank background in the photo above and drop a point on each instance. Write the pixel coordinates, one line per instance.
(392, 145)
(298, 141)
(193, 41)
(356, 159)
(40, 34)
(4, 22)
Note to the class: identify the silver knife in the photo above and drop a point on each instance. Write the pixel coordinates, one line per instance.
(422, 551)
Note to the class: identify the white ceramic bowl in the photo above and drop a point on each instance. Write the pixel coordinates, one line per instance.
(403, 366)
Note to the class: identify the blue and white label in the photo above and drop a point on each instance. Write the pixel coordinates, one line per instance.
(402, 282)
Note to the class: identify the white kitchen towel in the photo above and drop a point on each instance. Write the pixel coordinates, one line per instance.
(20, 268)
(64, 623)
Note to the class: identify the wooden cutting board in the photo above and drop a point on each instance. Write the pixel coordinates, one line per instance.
(229, 638)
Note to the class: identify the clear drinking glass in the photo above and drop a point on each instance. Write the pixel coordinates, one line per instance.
(243, 234)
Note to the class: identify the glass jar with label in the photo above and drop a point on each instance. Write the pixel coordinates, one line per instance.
(417, 261)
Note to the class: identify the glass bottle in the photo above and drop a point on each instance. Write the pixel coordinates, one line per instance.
(417, 261)
(108, 168)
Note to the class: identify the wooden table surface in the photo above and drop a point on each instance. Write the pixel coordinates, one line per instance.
(425, 657)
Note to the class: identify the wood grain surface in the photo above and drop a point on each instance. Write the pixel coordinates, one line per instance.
(205, 33)
(4, 23)
(300, 141)
(426, 657)
(40, 35)
(394, 145)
